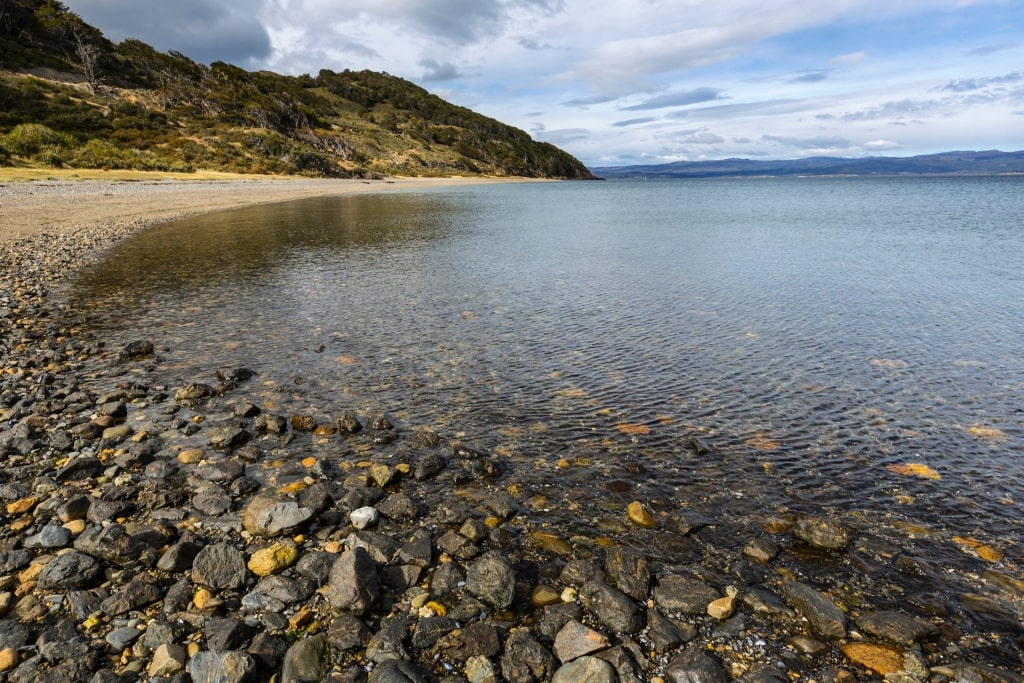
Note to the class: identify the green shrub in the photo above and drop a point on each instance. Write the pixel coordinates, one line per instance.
(27, 139)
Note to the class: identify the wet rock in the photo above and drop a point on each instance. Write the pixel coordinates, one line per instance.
(895, 626)
(136, 349)
(274, 516)
(194, 392)
(220, 667)
(525, 660)
(639, 515)
(667, 634)
(234, 375)
(629, 572)
(428, 466)
(348, 423)
(400, 507)
(576, 640)
(811, 647)
(685, 595)
(819, 609)
(882, 659)
(307, 660)
(389, 642)
(82, 467)
(764, 673)
(381, 547)
(353, 584)
(228, 436)
(303, 423)
(220, 567)
(990, 614)
(821, 532)
(761, 600)
(271, 424)
(613, 608)
(761, 550)
(431, 629)
(492, 579)
(268, 650)
(71, 570)
(694, 666)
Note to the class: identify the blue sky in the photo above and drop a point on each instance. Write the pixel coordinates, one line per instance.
(648, 81)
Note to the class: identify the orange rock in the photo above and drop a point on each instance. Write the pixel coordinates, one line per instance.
(639, 515)
(882, 659)
(20, 507)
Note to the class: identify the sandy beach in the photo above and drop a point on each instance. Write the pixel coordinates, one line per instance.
(57, 206)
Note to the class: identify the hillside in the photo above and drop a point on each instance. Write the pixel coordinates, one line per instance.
(946, 163)
(71, 98)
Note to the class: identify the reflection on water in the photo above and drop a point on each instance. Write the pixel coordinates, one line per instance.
(847, 344)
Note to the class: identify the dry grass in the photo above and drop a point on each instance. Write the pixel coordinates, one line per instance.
(10, 174)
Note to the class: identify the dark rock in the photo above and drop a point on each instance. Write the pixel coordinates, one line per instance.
(457, 545)
(14, 560)
(667, 634)
(419, 550)
(895, 626)
(179, 556)
(694, 666)
(71, 570)
(764, 673)
(353, 584)
(220, 567)
(348, 633)
(446, 579)
(819, 609)
(142, 590)
(316, 565)
(381, 547)
(430, 629)
(629, 572)
(82, 467)
(388, 642)
(267, 650)
(990, 614)
(136, 349)
(821, 532)
(675, 593)
(399, 507)
(555, 617)
(194, 392)
(108, 510)
(222, 471)
(271, 424)
(49, 537)
(578, 572)
(349, 424)
(303, 423)
(228, 436)
(525, 660)
(228, 375)
(491, 579)
(114, 544)
(307, 661)
(477, 639)
(397, 671)
(502, 504)
(223, 633)
(613, 608)
(429, 466)
(761, 600)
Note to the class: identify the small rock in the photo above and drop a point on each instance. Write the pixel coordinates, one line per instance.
(273, 516)
(638, 514)
(761, 550)
(364, 517)
(585, 670)
(353, 584)
(168, 660)
(272, 560)
(682, 594)
(8, 658)
(575, 640)
(821, 532)
(694, 666)
(882, 659)
(723, 608)
(220, 667)
(491, 579)
(220, 567)
(817, 608)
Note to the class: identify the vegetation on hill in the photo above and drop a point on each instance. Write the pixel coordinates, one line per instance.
(70, 97)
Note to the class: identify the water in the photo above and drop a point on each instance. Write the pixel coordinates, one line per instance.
(848, 346)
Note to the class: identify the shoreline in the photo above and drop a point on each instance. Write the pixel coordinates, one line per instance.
(358, 550)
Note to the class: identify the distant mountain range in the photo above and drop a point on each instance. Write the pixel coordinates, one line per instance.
(947, 163)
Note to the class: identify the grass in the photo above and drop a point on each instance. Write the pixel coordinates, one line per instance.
(9, 174)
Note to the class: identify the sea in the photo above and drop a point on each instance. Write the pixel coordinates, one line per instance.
(745, 349)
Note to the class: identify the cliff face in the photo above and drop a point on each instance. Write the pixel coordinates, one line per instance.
(70, 97)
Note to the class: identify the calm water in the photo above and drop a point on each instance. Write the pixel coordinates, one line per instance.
(854, 346)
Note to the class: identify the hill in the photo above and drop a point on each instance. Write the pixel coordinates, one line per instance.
(70, 97)
(946, 163)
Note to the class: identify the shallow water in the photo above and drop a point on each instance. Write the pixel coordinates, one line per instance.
(853, 346)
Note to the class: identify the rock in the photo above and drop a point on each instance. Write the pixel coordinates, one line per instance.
(761, 550)
(223, 633)
(49, 537)
(613, 608)
(479, 639)
(113, 543)
(399, 507)
(667, 634)
(136, 349)
(763, 601)
(179, 556)
(303, 423)
(586, 670)
(638, 514)
(823, 614)
(694, 666)
(220, 567)
(525, 660)
(272, 560)
(882, 659)
(479, 669)
(629, 572)
(364, 517)
(348, 633)
(8, 659)
(168, 660)
(348, 423)
(71, 570)
(675, 593)
(722, 608)
(121, 638)
(353, 584)
(307, 661)
(811, 647)
(397, 671)
(194, 392)
(576, 640)
(821, 532)
(117, 433)
(895, 626)
(220, 667)
(142, 590)
(274, 516)
(228, 436)
(491, 579)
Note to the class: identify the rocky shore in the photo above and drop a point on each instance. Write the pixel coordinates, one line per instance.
(159, 532)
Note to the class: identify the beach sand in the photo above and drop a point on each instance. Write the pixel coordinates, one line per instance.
(57, 206)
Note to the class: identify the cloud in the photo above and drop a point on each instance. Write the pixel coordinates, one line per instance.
(204, 30)
(564, 135)
(701, 136)
(971, 84)
(436, 71)
(634, 122)
(881, 145)
(892, 110)
(762, 107)
(589, 100)
(811, 76)
(678, 99)
(850, 58)
(986, 50)
(820, 142)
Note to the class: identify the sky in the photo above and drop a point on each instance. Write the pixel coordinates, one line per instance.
(619, 82)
